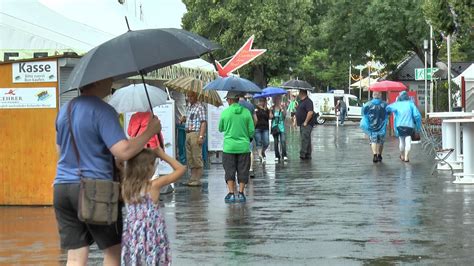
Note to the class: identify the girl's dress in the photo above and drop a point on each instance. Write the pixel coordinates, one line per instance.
(144, 238)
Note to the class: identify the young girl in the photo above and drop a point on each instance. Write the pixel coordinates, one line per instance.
(144, 238)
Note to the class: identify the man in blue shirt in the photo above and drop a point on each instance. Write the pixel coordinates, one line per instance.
(99, 138)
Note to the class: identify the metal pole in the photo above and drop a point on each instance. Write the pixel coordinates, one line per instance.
(431, 68)
(449, 73)
(350, 72)
(425, 47)
(368, 87)
(360, 84)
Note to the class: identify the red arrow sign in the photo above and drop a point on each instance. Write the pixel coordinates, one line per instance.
(243, 56)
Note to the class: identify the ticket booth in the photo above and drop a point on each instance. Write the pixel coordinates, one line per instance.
(29, 102)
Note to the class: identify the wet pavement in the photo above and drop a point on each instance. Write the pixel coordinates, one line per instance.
(338, 208)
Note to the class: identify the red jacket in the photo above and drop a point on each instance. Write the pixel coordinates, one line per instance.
(138, 124)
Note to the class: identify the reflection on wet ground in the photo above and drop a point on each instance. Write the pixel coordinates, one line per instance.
(339, 208)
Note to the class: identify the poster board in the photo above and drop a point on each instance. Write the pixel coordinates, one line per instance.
(28, 98)
(215, 139)
(166, 114)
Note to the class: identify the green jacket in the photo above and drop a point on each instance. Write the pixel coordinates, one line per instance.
(237, 124)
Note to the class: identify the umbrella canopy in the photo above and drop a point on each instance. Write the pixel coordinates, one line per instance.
(137, 52)
(270, 92)
(132, 98)
(297, 84)
(188, 84)
(232, 83)
(387, 85)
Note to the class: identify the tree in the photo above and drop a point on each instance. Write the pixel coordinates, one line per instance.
(282, 27)
(321, 71)
(453, 17)
(386, 28)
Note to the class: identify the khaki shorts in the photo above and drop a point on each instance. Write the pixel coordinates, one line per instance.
(193, 151)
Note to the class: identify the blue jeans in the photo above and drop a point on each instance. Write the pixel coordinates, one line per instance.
(262, 139)
(280, 139)
(342, 116)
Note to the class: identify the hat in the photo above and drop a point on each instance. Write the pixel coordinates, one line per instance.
(233, 95)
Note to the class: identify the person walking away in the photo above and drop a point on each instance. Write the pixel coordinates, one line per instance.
(144, 237)
(278, 129)
(374, 124)
(99, 138)
(292, 109)
(238, 127)
(407, 122)
(261, 128)
(245, 103)
(304, 115)
(342, 107)
(195, 126)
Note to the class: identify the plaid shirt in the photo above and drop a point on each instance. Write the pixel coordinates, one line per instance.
(195, 114)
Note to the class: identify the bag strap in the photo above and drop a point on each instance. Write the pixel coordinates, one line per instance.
(73, 140)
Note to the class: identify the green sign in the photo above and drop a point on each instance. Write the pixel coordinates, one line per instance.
(420, 73)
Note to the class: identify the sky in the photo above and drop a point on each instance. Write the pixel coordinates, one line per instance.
(156, 13)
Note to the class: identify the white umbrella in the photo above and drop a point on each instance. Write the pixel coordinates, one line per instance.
(133, 98)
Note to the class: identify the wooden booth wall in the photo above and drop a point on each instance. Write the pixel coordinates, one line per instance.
(28, 154)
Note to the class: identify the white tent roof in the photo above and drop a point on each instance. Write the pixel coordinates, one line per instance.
(364, 83)
(47, 25)
(468, 74)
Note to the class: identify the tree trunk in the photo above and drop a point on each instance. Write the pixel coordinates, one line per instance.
(259, 76)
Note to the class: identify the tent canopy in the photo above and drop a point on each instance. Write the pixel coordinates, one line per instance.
(468, 74)
(364, 83)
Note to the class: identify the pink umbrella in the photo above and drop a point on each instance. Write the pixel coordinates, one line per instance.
(388, 85)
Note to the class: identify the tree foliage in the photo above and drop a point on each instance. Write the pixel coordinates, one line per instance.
(281, 27)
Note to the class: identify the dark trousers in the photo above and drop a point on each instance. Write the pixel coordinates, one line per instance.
(305, 150)
(236, 163)
(280, 138)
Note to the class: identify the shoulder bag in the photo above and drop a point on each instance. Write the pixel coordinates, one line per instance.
(98, 198)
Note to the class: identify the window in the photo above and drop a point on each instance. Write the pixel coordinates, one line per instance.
(39, 55)
(6, 56)
(354, 102)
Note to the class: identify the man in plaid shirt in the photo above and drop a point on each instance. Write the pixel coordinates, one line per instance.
(195, 126)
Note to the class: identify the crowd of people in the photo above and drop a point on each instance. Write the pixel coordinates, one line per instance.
(92, 143)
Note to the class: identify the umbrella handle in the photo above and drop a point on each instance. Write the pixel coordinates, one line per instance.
(151, 108)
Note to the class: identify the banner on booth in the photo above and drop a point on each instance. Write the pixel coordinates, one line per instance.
(24, 98)
(39, 71)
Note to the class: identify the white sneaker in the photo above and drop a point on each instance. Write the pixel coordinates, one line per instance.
(285, 158)
(277, 160)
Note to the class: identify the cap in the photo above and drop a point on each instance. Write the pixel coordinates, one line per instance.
(233, 94)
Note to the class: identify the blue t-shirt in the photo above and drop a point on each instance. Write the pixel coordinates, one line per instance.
(96, 129)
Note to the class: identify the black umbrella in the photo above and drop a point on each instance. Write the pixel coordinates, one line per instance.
(138, 52)
(297, 84)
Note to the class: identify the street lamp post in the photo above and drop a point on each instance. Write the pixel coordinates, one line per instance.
(425, 48)
(431, 66)
(449, 72)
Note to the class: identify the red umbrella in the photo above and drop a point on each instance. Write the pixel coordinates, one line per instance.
(388, 85)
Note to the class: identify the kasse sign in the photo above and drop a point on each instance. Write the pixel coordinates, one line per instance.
(39, 71)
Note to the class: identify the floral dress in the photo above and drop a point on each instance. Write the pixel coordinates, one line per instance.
(144, 238)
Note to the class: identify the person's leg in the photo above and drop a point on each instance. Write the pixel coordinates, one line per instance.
(283, 144)
(242, 174)
(307, 141)
(79, 256)
(229, 163)
(276, 146)
(302, 143)
(189, 156)
(265, 141)
(407, 148)
(402, 148)
(251, 158)
(112, 255)
(259, 142)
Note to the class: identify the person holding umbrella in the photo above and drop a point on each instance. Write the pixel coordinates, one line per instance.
(195, 126)
(407, 122)
(237, 124)
(304, 115)
(99, 138)
(278, 128)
